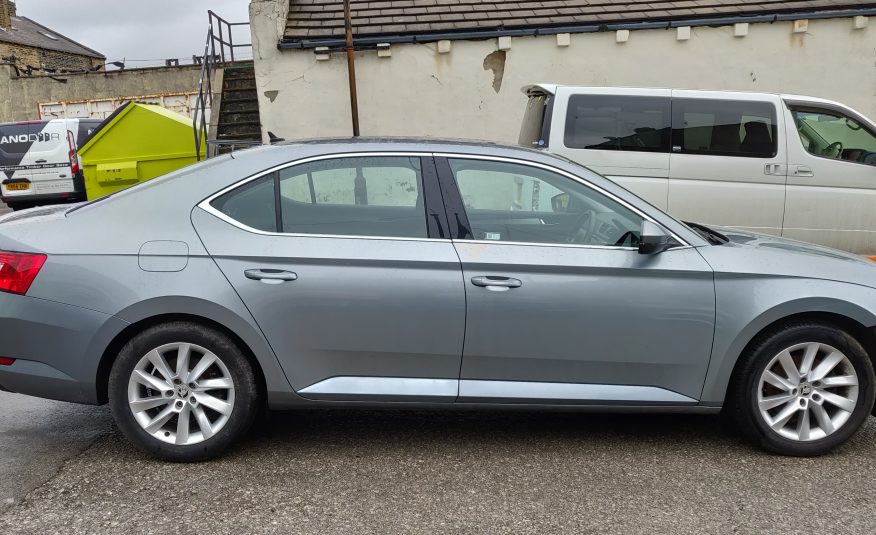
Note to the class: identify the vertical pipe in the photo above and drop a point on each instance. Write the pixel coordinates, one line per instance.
(351, 68)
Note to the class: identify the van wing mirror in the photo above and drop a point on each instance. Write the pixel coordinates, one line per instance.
(654, 239)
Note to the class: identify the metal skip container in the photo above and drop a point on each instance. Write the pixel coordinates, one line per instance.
(136, 143)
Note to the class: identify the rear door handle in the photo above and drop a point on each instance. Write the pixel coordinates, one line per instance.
(41, 161)
(489, 282)
(270, 276)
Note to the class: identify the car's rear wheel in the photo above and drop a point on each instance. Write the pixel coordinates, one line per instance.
(803, 389)
(182, 392)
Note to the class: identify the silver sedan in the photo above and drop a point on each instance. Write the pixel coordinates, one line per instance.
(423, 273)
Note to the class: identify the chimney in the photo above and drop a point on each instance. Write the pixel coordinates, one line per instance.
(7, 11)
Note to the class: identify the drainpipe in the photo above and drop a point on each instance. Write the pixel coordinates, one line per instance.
(351, 68)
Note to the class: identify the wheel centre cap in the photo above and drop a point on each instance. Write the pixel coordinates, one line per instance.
(805, 390)
(182, 390)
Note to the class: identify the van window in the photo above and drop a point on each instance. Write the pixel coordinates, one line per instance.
(830, 134)
(625, 123)
(536, 122)
(724, 128)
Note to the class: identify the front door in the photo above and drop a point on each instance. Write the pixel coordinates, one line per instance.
(560, 305)
(350, 281)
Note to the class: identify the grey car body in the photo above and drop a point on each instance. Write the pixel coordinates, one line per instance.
(377, 320)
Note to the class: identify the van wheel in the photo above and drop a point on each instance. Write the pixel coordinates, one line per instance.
(182, 392)
(16, 206)
(802, 389)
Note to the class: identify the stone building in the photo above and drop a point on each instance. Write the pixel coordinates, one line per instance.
(34, 49)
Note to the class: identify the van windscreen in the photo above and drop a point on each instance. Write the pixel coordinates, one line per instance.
(536, 122)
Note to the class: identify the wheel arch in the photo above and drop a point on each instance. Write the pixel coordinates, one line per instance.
(856, 320)
(246, 336)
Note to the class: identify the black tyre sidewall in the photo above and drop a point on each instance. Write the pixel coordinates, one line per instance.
(748, 413)
(245, 390)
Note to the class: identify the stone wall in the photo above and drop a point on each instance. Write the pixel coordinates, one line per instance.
(52, 59)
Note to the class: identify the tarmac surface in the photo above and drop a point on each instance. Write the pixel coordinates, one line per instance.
(346, 471)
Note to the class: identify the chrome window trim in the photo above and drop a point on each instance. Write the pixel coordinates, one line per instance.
(566, 174)
(207, 207)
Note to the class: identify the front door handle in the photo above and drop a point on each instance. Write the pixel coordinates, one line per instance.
(803, 170)
(490, 282)
(270, 276)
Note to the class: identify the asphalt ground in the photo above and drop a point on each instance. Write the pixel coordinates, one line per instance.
(346, 471)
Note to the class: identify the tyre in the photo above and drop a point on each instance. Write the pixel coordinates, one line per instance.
(802, 389)
(182, 392)
(16, 206)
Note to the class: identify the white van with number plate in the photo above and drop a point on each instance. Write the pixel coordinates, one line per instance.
(39, 161)
(795, 166)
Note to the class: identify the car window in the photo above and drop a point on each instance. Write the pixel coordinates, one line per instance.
(519, 203)
(724, 127)
(830, 134)
(253, 204)
(363, 196)
(624, 123)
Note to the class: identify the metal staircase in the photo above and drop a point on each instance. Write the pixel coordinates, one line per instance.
(227, 87)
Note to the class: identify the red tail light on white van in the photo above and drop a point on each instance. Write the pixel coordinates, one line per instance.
(18, 270)
(73, 154)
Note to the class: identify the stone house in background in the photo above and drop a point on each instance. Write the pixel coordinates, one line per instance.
(35, 49)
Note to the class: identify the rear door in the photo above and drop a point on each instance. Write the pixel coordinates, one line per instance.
(51, 172)
(16, 140)
(353, 280)
(728, 164)
(832, 177)
(623, 134)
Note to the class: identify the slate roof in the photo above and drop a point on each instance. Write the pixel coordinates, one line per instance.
(323, 19)
(26, 32)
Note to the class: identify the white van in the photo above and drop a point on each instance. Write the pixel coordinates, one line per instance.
(39, 161)
(800, 167)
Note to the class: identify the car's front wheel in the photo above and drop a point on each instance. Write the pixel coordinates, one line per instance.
(182, 392)
(802, 389)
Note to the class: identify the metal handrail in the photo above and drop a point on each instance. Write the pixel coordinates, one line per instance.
(219, 32)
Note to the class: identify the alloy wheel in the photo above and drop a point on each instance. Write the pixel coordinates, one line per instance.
(181, 393)
(808, 391)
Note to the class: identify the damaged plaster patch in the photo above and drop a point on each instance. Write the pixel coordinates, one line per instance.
(272, 95)
(495, 61)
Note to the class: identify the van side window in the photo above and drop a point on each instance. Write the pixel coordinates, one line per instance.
(830, 134)
(724, 128)
(624, 123)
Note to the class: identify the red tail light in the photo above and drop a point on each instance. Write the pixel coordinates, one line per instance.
(5, 361)
(18, 270)
(73, 155)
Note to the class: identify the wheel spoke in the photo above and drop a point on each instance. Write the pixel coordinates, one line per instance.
(843, 403)
(774, 401)
(182, 426)
(776, 381)
(145, 404)
(206, 361)
(203, 422)
(150, 381)
(791, 371)
(803, 425)
(839, 380)
(826, 366)
(157, 360)
(784, 415)
(182, 361)
(214, 403)
(215, 384)
(824, 421)
(160, 420)
(808, 358)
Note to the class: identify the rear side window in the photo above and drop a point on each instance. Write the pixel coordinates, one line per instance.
(724, 128)
(623, 123)
(366, 196)
(253, 204)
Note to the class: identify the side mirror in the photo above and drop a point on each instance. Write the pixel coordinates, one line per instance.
(560, 203)
(654, 239)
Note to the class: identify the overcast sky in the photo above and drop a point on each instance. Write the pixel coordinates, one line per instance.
(136, 30)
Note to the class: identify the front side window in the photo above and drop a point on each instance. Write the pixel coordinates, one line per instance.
(724, 128)
(623, 123)
(830, 134)
(363, 196)
(518, 203)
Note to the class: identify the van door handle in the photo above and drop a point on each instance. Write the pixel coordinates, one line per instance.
(40, 161)
(270, 276)
(491, 282)
(803, 170)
